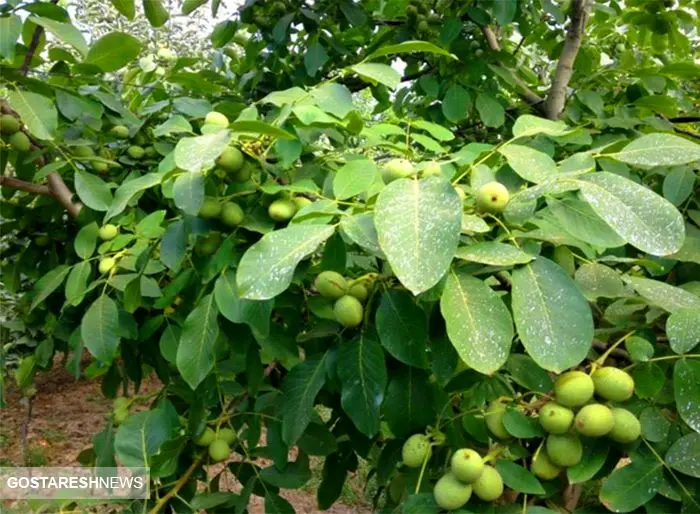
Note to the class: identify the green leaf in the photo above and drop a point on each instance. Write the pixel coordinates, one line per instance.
(649, 379)
(683, 330)
(188, 192)
(259, 128)
(86, 240)
(518, 478)
(169, 342)
(48, 284)
(528, 374)
(478, 323)
(173, 125)
(437, 131)
(223, 33)
(521, 426)
(631, 486)
(314, 58)
(686, 386)
(640, 349)
(361, 230)
(125, 7)
(402, 327)
(150, 226)
(267, 267)
(173, 244)
(493, 253)
(582, 222)
(408, 405)
(490, 110)
(661, 294)
(634, 212)
(66, 32)
(597, 280)
(113, 51)
(456, 104)
(335, 99)
(678, 185)
(195, 353)
(299, 390)
(10, 30)
(156, 14)
(655, 425)
(683, 455)
(422, 503)
(418, 224)
(254, 313)
(408, 47)
(529, 125)
(381, 73)
(595, 453)
(363, 376)
(553, 319)
(99, 328)
(294, 475)
(92, 190)
(659, 150)
(530, 164)
(129, 189)
(142, 435)
(76, 107)
(38, 113)
(77, 282)
(196, 153)
(275, 504)
(354, 178)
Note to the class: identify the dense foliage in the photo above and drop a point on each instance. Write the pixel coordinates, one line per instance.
(480, 274)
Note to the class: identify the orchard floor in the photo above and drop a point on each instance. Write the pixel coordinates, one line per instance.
(65, 414)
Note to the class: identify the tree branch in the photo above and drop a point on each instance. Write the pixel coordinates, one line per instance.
(61, 192)
(33, 45)
(15, 183)
(680, 130)
(685, 119)
(556, 99)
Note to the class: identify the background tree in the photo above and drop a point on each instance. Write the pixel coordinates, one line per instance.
(486, 287)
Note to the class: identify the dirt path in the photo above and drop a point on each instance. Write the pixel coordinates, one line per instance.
(66, 413)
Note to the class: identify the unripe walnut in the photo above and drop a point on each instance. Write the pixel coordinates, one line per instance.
(450, 493)
(594, 420)
(613, 384)
(564, 450)
(494, 419)
(555, 419)
(573, 388)
(489, 485)
(467, 465)
(626, 428)
(415, 450)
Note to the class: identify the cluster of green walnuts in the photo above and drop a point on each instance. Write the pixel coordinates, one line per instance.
(12, 135)
(218, 442)
(348, 296)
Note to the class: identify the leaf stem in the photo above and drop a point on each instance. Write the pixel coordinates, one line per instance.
(666, 358)
(668, 468)
(600, 360)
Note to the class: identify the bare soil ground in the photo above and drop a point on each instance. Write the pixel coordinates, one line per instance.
(65, 413)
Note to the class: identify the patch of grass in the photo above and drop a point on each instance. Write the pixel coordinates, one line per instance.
(353, 493)
(36, 456)
(54, 436)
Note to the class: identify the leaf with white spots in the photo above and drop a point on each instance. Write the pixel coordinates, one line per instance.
(471, 223)
(195, 153)
(683, 330)
(494, 254)
(668, 297)
(637, 214)
(659, 150)
(354, 178)
(582, 222)
(530, 164)
(360, 228)
(418, 225)
(632, 485)
(553, 318)
(529, 125)
(267, 267)
(686, 389)
(478, 322)
(188, 192)
(684, 455)
(597, 280)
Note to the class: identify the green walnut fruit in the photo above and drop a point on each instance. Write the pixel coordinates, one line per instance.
(492, 197)
(613, 384)
(331, 284)
(83, 151)
(543, 467)
(395, 169)
(139, 139)
(594, 420)
(136, 152)
(301, 202)
(150, 152)
(626, 428)
(211, 208)
(20, 142)
(42, 240)
(432, 169)
(106, 264)
(415, 450)
(397, 488)
(205, 438)
(231, 214)
(206, 246)
(120, 415)
(467, 465)
(359, 291)
(121, 403)
(8, 124)
(120, 131)
(348, 311)
(216, 118)
(489, 485)
(231, 159)
(494, 419)
(450, 493)
(100, 167)
(219, 450)
(573, 388)
(108, 232)
(564, 450)
(282, 209)
(228, 435)
(244, 174)
(555, 419)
